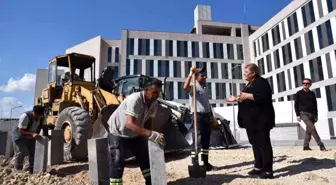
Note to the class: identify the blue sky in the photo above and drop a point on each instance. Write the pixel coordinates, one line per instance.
(32, 32)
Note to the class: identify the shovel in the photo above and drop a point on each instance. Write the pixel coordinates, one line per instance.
(196, 170)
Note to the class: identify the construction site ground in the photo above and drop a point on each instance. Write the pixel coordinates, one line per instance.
(292, 165)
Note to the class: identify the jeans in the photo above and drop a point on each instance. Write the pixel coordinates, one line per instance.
(117, 146)
(204, 126)
(262, 149)
(24, 147)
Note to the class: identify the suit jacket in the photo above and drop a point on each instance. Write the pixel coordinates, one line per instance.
(257, 114)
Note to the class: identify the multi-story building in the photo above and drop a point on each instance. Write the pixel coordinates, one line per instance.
(298, 43)
(220, 47)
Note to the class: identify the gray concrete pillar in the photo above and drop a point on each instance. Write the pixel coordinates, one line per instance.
(98, 161)
(3, 142)
(55, 147)
(157, 164)
(41, 155)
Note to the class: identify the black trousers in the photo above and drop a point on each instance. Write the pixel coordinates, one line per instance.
(204, 134)
(138, 146)
(262, 149)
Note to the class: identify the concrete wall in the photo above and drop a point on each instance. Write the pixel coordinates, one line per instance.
(7, 125)
(285, 114)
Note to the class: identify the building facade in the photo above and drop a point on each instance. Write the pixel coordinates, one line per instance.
(298, 43)
(222, 48)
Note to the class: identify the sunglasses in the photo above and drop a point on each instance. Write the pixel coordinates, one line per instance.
(306, 83)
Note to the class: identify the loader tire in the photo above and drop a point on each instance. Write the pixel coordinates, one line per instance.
(80, 124)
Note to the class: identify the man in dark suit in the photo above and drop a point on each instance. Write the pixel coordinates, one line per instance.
(306, 110)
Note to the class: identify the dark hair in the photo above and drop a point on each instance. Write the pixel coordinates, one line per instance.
(154, 82)
(253, 68)
(310, 80)
(38, 109)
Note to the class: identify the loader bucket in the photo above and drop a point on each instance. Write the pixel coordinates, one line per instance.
(100, 127)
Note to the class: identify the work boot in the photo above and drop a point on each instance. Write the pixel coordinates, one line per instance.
(209, 167)
(306, 148)
(322, 147)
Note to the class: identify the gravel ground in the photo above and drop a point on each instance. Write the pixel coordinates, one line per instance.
(291, 166)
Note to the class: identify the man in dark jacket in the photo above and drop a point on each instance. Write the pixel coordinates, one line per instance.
(24, 135)
(306, 110)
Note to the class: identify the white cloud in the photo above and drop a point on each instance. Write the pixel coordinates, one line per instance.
(24, 84)
(6, 103)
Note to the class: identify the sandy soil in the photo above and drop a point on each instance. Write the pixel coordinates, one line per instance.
(291, 166)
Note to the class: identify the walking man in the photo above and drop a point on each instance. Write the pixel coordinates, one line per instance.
(306, 110)
(25, 133)
(204, 115)
(130, 126)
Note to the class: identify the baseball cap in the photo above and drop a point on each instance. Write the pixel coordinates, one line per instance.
(200, 70)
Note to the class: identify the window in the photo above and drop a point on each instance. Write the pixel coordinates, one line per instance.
(240, 52)
(116, 59)
(233, 89)
(281, 99)
(298, 75)
(276, 35)
(281, 82)
(143, 47)
(309, 42)
(163, 68)
(115, 72)
(187, 66)
(157, 47)
(237, 71)
(276, 59)
(195, 49)
(137, 66)
(128, 67)
(177, 69)
(325, 35)
(238, 32)
(269, 63)
(293, 26)
(230, 51)
(270, 82)
(130, 46)
(329, 67)
(261, 66)
(298, 48)
(265, 42)
(109, 54)
(182, 48)
(218, 50)
(289, 79)
(225, 71)
(169, 48)
(242, 86)
(52, 72)
(331, 97)
(316, 70)
(150, 67)
(214, 70)
(181, 92)
(308, 14)
(220, 91)
(287, 54)
(206, 51)
(317, 92)
(170, 90)
(331, 5)
(255, 49)
(208, 87)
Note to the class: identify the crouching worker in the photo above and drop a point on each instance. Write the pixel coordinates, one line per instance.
(204, 115)
(25, 133)
(130, 126)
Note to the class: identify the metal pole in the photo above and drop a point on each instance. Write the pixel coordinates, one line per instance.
(233, 110)
(12, 110)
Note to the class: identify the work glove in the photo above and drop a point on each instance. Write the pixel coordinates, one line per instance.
(157, 138)
(192, 70)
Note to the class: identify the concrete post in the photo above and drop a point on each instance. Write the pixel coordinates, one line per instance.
(55, 147)
(9, 146)
(98, 161)
(3, 142)
(157, 164)
(41, 155)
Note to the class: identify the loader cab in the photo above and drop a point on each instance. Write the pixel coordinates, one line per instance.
(70, 68)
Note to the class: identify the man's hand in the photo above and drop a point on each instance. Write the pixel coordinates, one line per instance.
(192, 70)
(231, 99)
(36, 136)
(298, 118)
(158, 138)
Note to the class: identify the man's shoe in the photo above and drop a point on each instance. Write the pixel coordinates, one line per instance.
(322, 147)
(266, 175)
(306, 148)
(209, 167)
(254, 172)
